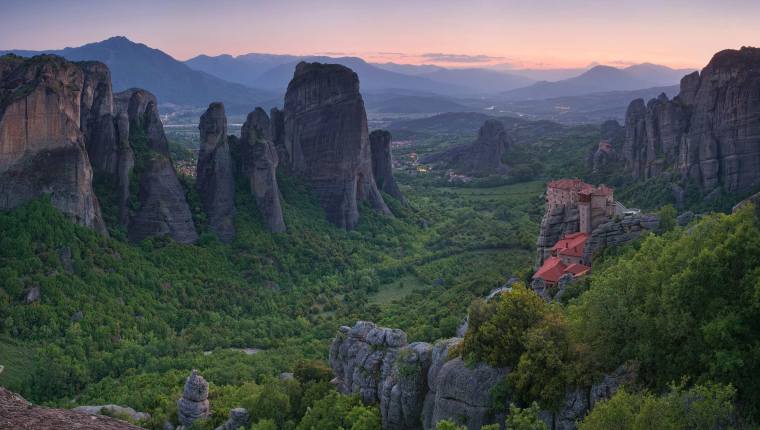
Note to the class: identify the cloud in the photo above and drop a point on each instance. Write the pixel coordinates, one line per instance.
(459, 58)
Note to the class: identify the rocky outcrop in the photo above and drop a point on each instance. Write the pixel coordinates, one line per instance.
(382, 164)
(327, 142)
(114, 410)
(238, 419)
(162, 208)
(194, 402)
(458, 392)
(418, 384)
(617, 232)
(214, 173)
(481, 157)
(17, 413)
(556, 223)
(97, 119)
(259, 160)
(709, 133)
(42, 144)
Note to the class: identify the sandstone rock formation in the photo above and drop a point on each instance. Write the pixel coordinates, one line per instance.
(163, 208)
(327, 142)
(194, 401)
(214, 173)
(17, 413)
(113, 410)
(259, 160)
(238, 419)
(481, 157)
(382, 164)
(418, 384)
(618, 232)
(709, 133)
(556, 223)
(42, 144)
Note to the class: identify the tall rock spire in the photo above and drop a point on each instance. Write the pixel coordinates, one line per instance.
(327, 140)
(215, 182)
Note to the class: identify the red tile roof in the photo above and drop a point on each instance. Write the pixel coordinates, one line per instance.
(569, 184)
(571, 245)
(551, 270)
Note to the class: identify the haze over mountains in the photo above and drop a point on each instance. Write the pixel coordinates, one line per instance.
(255, 78)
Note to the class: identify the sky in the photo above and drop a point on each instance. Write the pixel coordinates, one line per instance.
(455, 33)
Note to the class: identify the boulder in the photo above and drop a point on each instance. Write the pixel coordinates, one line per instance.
(239, 418)
(327, 140)
(382, 164)
(259, 162)
(214, 173)
(194, 401)
(162, 207)
(42, 144)
(709, 133)
(114, 411)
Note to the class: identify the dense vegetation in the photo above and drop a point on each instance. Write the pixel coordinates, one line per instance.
(124, 323)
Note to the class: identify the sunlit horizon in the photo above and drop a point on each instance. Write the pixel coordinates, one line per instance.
(497, 34)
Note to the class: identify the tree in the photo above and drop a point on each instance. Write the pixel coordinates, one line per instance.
(525, 418)
(496, 332)
(703, 407)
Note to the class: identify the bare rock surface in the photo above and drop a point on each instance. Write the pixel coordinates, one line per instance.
(259, 165)
(382, 164)
(327, 140)
(709, 133)
(214, 173)
(163, 208)
(42, 145)
(17, 413)
(194, 401)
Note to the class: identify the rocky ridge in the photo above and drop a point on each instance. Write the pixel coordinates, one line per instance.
(709, 133)
(419, 384)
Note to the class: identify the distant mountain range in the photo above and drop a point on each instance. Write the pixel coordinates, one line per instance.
(245, 81)
(600, 79)
(137, 65)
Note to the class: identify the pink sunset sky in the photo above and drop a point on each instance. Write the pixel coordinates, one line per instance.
(458, 33)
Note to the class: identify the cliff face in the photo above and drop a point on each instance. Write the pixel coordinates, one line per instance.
(42, 147)
(382, 163)
(709, 133)
(419, 384)
(259, 164)
(215, 181)
(163, 208)
(327, 142)
(556, 223)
